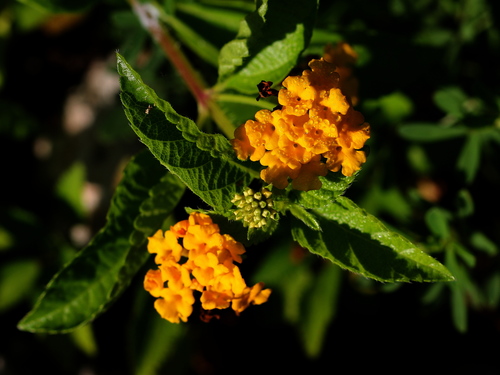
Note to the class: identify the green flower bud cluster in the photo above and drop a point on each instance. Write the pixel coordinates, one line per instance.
(254, 208)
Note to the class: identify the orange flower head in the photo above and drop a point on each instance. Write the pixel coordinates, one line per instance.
(194, 256)
(344, 57)
(315, 131)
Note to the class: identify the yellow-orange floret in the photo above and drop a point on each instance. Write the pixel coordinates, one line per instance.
(316, 130)
(194, 256)
(344, 57)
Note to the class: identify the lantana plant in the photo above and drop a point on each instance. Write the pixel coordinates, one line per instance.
(205, 195)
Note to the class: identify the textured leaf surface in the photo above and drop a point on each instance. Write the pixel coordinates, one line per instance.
(101, 271)
(359, 242)
(204, 162)
(334, 185)
(268, 44)
(304, 215)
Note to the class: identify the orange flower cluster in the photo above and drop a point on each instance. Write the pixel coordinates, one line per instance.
(316, 130)
(344, 57)
(194, 256)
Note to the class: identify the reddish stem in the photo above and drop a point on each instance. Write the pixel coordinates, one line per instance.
(149, 17)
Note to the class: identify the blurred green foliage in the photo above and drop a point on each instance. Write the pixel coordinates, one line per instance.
(428, 87)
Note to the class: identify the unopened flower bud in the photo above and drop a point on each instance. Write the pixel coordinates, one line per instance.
(255, 209)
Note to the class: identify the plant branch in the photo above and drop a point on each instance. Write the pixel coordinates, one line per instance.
(149, 18)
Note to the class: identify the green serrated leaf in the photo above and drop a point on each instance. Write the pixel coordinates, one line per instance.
(359, 242)
(334, 185)
(303, 215)
(430, 132)
(268, 44)
(100, 272)
(205, 163)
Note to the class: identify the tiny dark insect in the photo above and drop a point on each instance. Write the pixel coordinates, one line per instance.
(265, 90)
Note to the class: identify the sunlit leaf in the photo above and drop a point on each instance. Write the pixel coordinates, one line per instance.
(206, 163)
(303, 215)
(268, 44)
(333, 186)
(359, 242)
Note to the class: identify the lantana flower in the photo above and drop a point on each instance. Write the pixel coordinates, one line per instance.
(193, 256)
(344, 57)
(315, 130)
